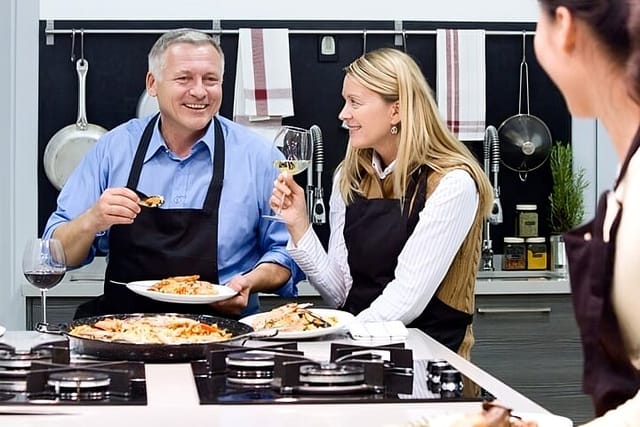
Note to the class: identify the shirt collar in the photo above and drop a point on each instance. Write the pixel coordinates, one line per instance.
(376, 162)
(158, 143)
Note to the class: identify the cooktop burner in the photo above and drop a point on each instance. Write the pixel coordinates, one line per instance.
(282, 374)
(36, 368)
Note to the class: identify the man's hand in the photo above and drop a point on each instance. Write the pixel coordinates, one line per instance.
(234, 306)
(115, 206)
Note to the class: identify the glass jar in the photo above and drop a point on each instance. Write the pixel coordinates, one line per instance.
(515, 254)
(536, 253)
(526, 220)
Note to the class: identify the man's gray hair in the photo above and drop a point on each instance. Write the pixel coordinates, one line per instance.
(180, 35)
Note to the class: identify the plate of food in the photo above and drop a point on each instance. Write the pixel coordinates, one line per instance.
(299, 321)
(518, 419)
(494, 413)
(182, 290)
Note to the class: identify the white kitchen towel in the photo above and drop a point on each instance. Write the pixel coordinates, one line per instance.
(461, 77)
(263, 94)
(378, 331)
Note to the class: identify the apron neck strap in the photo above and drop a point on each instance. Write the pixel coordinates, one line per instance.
(212, 201)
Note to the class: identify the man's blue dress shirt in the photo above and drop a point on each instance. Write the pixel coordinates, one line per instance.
(245, 239)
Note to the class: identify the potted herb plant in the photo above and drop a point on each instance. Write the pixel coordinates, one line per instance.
(566, 200)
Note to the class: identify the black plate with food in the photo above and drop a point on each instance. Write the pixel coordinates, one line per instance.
(185, 337)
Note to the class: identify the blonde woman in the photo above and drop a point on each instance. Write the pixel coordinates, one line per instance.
(406, 209)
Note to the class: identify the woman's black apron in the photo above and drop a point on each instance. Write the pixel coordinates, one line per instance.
(608, 376)
(375, 231)
(162, 243)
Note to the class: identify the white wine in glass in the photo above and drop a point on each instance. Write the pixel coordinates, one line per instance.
(297, 148)
(44, 266)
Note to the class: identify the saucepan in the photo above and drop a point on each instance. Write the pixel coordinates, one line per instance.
(150, 352)
(66, 148)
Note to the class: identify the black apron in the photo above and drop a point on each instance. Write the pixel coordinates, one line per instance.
(162, 243)
(608, 376)
(375, 231)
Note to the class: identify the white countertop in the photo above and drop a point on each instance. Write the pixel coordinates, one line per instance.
(88, 282)
(172, 400)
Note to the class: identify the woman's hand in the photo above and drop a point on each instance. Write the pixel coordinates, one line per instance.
(291, 197)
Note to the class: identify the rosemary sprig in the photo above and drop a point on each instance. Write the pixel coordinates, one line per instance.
(567, 203)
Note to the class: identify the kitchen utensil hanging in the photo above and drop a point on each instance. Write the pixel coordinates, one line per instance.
(525, 139)
(68, 146)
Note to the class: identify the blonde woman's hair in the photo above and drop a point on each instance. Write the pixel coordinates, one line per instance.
(423, 137)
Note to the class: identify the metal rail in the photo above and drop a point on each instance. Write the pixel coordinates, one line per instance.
(291, 31)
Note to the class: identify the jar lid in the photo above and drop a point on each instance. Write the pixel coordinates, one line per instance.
(536, 240)
(513, 240)
(526, 207)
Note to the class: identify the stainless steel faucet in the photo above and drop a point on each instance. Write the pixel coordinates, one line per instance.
(315, 196)
(491, 169)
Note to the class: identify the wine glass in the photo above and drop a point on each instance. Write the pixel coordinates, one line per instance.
(43, 264)
(296, 146)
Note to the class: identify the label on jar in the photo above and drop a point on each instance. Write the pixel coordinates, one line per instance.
(514, 257)
(527, 224)
(537, 256)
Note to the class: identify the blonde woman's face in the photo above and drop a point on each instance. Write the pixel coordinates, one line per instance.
(369, 118)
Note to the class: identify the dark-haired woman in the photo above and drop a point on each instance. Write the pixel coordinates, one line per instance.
(591, 50)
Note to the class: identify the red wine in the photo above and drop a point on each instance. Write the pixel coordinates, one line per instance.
(44, 279)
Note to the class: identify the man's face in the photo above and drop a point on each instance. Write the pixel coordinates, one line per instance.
(189, 88)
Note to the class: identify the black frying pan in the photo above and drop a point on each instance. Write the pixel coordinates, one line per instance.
(145, 352)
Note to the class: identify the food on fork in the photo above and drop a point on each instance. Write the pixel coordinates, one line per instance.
(293, 317)
(151, 201)
(184, 285)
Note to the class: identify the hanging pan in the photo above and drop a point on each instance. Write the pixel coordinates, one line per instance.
(66, 148)
(525, 139)
(147, 105)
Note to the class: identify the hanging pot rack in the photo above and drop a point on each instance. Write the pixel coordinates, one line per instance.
(398, 31)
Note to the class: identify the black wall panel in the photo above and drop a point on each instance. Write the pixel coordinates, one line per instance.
(118, 64)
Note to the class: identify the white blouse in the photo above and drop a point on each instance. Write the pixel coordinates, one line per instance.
(443, 225)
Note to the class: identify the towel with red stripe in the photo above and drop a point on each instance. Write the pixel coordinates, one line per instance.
(461, 82)
(263, 75)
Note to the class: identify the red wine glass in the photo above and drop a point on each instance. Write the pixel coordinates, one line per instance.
(44, 266)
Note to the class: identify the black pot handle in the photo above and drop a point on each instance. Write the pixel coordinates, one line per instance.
(48, 328)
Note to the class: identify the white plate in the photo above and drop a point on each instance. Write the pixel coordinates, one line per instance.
(344, 318)
(141, 287)
(543, 420)
(2, 330)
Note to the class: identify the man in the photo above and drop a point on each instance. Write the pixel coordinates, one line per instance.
(215, 176)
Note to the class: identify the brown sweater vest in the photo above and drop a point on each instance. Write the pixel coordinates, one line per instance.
(458, 286)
